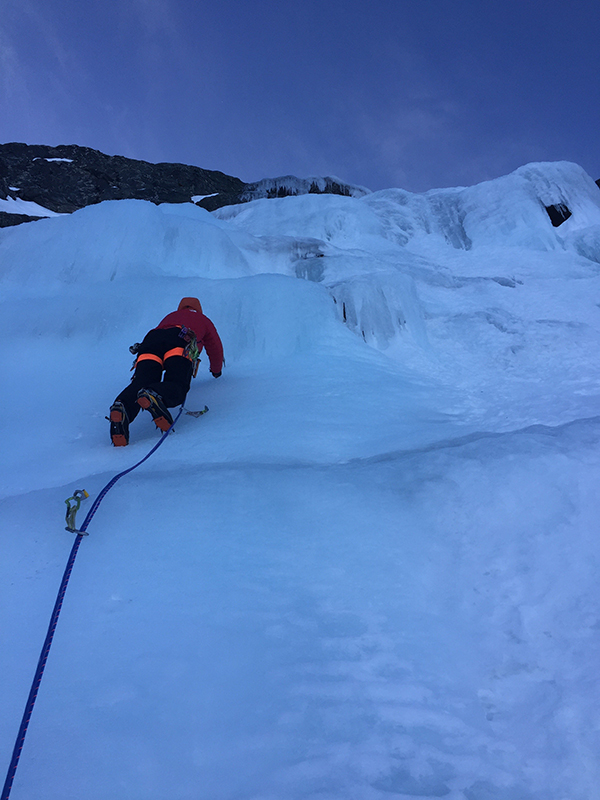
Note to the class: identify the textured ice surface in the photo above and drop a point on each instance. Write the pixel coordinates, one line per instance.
(371, 570)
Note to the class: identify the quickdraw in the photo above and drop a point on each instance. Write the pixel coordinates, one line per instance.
(134, 349)
(73, 504)
(191, 350)
(196, 413)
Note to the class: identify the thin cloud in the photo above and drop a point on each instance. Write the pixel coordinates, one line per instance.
(12, 85)
(156, 17)
(31, 15)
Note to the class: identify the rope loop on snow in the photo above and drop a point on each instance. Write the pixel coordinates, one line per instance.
(73, 504)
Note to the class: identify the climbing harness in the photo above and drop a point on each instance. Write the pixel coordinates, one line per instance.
(191, 351)
(73, 504)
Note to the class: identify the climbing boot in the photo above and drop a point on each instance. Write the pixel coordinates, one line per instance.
(119, 425)
(153, 403)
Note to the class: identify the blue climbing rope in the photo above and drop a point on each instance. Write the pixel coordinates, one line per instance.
(12, 769)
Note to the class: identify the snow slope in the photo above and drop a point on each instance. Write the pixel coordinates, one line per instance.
(371, 570)
(14, 205)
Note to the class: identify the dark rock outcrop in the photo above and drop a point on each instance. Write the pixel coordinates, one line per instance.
(7, 220)
(68, 177)
(558, 213)
(286, 186)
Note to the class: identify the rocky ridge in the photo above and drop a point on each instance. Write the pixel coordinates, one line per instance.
(65, 178)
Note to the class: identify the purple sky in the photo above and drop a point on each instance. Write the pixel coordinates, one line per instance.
(416, 94)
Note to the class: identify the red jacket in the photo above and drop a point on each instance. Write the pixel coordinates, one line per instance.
(205, 331)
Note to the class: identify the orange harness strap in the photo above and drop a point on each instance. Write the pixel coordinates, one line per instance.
(149, 357)
(176, 351)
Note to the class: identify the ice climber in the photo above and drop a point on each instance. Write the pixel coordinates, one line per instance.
(174, 347)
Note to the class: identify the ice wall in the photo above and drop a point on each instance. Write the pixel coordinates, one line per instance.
(404, 272)
(371, 570)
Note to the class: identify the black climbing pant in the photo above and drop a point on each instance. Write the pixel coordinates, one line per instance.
(173, 386)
